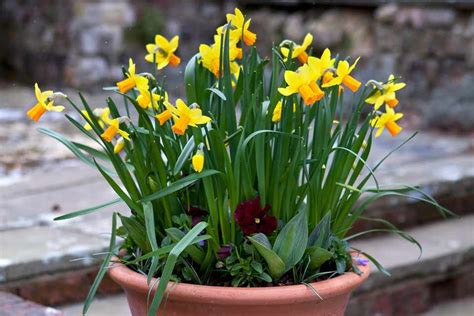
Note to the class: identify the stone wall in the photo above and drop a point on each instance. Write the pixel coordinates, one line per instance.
(432, 48)
(84, 43)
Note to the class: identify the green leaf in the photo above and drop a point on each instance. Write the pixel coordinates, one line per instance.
(135, 231)
(320, 235)
(185, 153)
(291, 242)
(86, 210)
(196, 253)
(274, 262)
(189, 79)
(170, 263)
(318, 256)
(103, 268)
(218, 93)
(178, 185)
(73, 148)
(151, 234)
(117, 189)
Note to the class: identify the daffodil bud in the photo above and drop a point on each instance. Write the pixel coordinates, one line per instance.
(198, 161)
(119, 145)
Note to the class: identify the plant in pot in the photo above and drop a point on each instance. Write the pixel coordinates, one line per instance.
(242, 196)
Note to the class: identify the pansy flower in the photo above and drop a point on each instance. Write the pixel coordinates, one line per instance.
(254, 219)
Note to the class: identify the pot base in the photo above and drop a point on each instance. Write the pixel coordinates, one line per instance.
(202, 300)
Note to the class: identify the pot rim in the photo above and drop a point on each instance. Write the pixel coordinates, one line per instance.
(340, 285)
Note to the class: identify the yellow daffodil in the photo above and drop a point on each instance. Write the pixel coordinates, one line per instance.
(343, 76)
(198, 161)
(45, 103)
(387, 120)
(299, 51)
(303, 81)
(162, 52)
(210, 56)
(132, 80)
(323, 66)
(185, 116)
(114, 129)
(240, 27)
(276, 116)
(164, 116)
(147, 99)
(103, 115)
(386, 94)
(119, 145)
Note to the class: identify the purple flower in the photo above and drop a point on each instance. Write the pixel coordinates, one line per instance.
(224, 251)
(362, 261)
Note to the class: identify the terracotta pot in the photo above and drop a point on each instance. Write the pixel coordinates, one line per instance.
(197, 300)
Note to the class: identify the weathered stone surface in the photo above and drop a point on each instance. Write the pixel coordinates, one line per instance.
(113, 305)
(416, 283)
(12, 305)
(38, 250)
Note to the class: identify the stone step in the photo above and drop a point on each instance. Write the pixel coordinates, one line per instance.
(441, 276)
(443, 272)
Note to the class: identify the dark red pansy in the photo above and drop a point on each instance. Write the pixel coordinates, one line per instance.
(196, 214)
(253, 219)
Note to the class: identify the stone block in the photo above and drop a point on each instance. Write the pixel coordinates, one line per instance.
(93, 13)
(104, 40)
(34, 251)
(86, 71)
(386, 13)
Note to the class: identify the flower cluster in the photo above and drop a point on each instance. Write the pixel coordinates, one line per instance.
(251, 172)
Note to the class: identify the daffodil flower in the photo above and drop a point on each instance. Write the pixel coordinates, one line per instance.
(240, 27)
(276, 116)
(103, 115)
(303, 81)
(45, 103)
(210, 56)
(148, 99)
(119, 145)
(132, 79)
(114, 129)
(162, 52)
(386, 94)
(387, 120)
(198, 161)
(299, 51)
(343, 76)
(185, 116)
(323, 65)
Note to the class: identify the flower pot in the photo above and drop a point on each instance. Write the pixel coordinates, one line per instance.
(190, 299)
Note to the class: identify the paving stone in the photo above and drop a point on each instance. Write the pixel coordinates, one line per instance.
(113, 305)
(463, 307)
(12, 305)
(23, 202)
(33, 251)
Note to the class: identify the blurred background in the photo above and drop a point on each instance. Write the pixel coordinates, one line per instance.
(81, 45)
